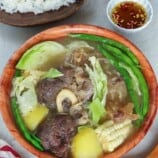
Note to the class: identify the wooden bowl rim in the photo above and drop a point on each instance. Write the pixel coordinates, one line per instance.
(61, 32)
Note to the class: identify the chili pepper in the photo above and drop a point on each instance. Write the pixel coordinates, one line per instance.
(111, 42)
(34, 140)
(139, 109)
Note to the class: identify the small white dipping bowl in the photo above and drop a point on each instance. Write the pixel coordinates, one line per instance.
(145, 3)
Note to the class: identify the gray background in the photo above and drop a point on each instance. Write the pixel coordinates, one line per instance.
(92, 12)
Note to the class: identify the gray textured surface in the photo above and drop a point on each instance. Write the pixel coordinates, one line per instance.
(93, 12)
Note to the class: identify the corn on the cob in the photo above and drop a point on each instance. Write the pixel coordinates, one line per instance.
(111, 134)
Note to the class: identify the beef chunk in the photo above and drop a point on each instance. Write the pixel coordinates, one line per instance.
(47, 90)
(74, 79)
(56, 134)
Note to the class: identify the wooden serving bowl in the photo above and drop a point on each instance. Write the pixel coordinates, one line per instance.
(30, 19)
(61, 32)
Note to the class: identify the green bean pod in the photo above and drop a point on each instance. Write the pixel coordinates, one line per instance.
(125, 76)
(111, 42)
(118, 54)
(35, 141)
(137, 72)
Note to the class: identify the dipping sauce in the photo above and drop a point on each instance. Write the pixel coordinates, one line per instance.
(129, 15)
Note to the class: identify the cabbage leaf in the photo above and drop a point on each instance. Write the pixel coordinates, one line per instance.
(24, 88)
(99, 81)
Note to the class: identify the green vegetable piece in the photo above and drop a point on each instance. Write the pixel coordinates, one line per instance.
(42, 56)
(53, 73)
(97, 110)
(118, 54)
(98, 78)
(126, 70)
(139, 83)
(35, 141)
(105, 40)
(99, 81)
(17, 73)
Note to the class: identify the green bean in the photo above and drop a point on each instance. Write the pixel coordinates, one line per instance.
(118, 53)
(17, 73)
(137, 72)
(126, 77)
(35, 141)
(111, 42)
(125, 55)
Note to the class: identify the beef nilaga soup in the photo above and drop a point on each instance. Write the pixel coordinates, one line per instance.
(81, 96)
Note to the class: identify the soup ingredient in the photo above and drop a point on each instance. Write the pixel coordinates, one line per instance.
(35, 6)
(129, 14)
(76, 45)
(56, 134)
(47, 90)
(98, 78)
(118, 54)
(79, 114)
(52, 73)
(74, 79)
(112, 134)
(119, 114)
(64, 99)
(143, 107)
(97, 110)
(140, 108)
(99, 81)
(86, 144)
(30, 137)
(79, 57)
(117, 91)
(108, 41)
(139, 83)
(24, 91)
(35, 117)
(42, 56)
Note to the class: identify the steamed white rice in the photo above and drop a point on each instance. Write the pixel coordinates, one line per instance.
(35, 6)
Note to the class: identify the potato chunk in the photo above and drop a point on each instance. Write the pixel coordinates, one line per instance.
(35, 117)
(85, 144)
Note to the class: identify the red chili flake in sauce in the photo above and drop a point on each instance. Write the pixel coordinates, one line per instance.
(129, 15)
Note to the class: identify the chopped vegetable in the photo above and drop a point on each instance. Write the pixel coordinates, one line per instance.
(108, 41)
(99, 81)
(131, 73)
(35, 117)
(86, 144)
(52, 73)
(133, 78)
(115, 49)
(39, 57)
(24, 90)
(111, 134)
(97, 110)
(30, 137)
(98, 78)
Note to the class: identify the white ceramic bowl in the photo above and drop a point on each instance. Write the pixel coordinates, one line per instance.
(145, 3)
